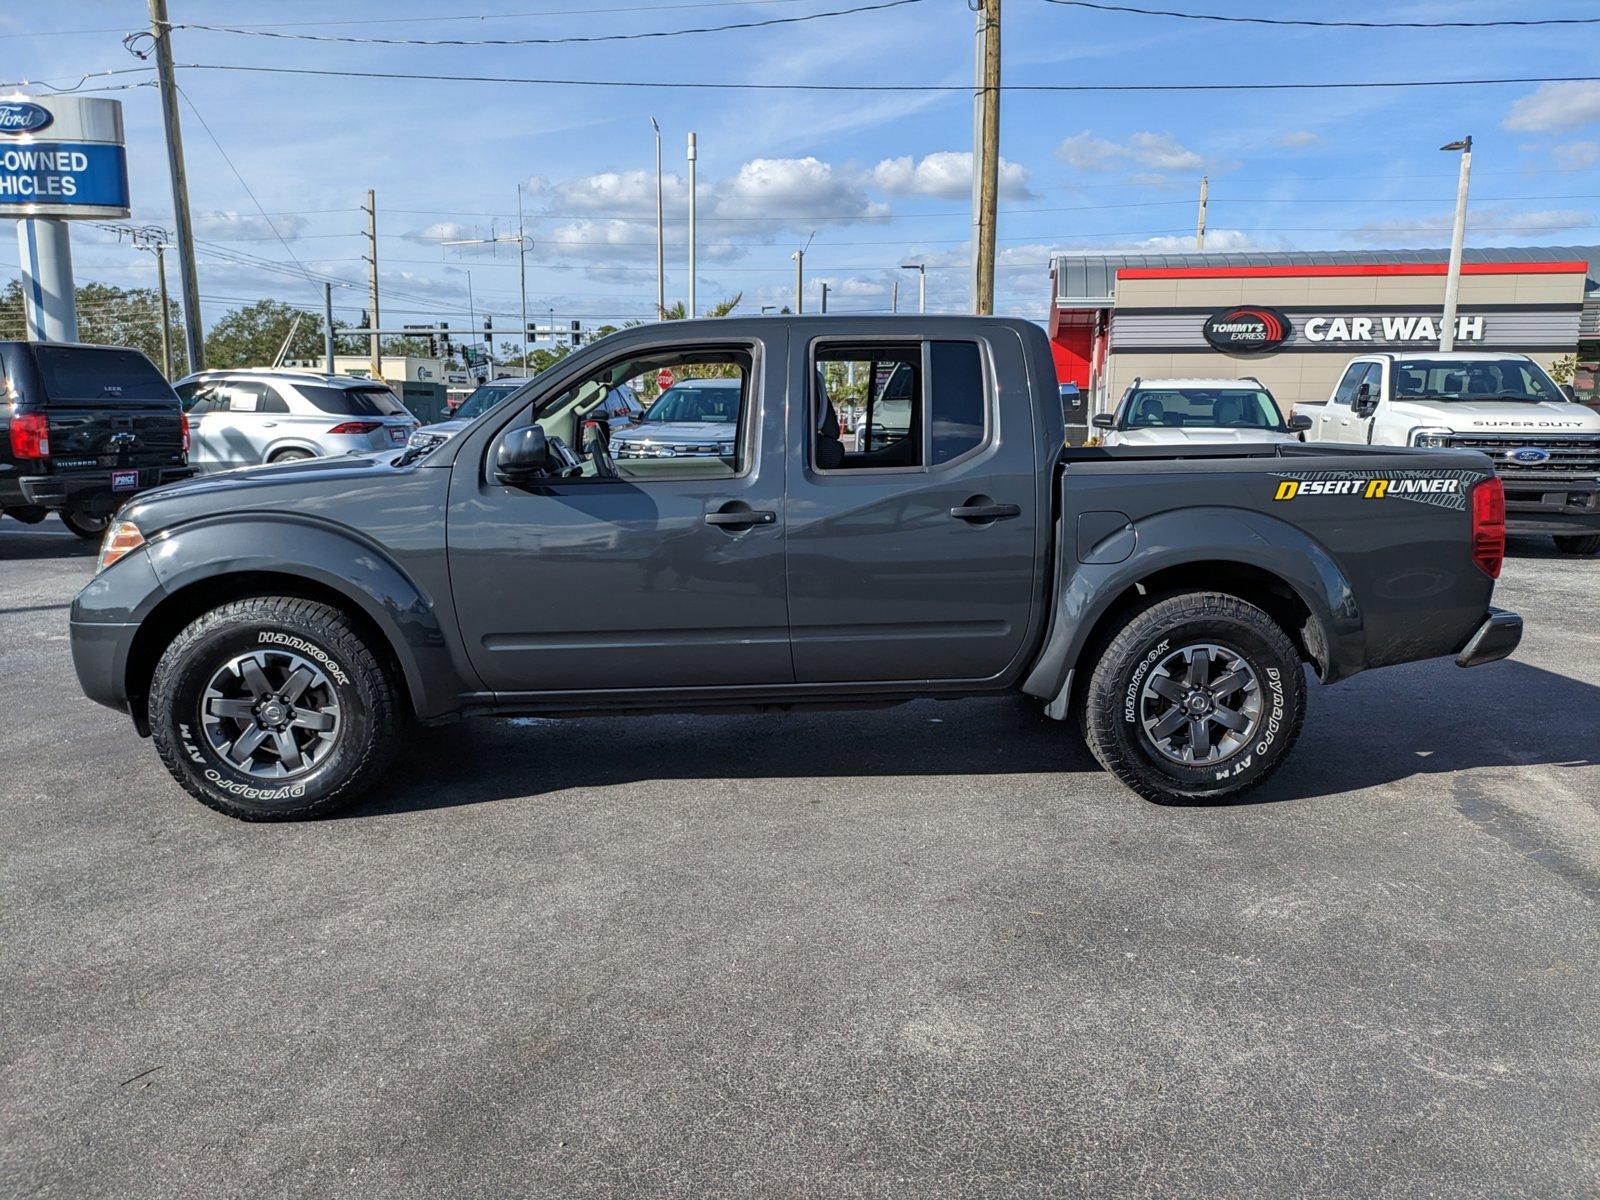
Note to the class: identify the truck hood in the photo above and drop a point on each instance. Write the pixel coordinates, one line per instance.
(293, 486)
(1500, 416)
(1199, 436)
(672, 433)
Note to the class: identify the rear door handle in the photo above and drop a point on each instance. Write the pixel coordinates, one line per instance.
(985, 512)
(741, 518)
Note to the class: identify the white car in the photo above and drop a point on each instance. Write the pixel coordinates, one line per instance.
(1545, 445)
(1177, 412)
(696, 418)
(241, 418)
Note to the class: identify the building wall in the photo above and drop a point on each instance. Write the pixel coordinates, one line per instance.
(1157, 321)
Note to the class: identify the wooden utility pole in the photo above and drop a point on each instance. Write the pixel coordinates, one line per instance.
(166, 310)
(189, 280)
(1200, 221)
(987, 161)
(371, 209)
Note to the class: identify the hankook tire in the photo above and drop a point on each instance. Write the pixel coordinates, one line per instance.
(274, 708)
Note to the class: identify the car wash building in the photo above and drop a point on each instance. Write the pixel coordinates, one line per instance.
(1292, 319)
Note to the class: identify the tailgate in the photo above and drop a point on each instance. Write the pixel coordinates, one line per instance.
(88, 437)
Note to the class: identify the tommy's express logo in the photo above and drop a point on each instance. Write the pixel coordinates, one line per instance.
(1251, 327)
(1443, 489)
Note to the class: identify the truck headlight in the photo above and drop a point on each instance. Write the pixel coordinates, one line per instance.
(1435, 438)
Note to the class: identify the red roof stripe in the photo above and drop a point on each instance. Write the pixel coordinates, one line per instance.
(1353, 269)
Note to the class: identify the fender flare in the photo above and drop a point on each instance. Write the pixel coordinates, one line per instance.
(1193, 537)
(339, 560)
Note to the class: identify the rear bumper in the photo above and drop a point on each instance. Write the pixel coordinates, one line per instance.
(1498, 636)
(91, 490)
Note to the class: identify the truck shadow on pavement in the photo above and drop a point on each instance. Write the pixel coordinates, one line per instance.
(36, 543)
(1373, 730)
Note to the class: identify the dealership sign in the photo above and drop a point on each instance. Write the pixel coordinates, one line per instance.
(79, 169)
(1248, 329)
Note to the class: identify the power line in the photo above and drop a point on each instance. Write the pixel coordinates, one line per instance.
(943, 88)
(533, 41)
(1315, 24)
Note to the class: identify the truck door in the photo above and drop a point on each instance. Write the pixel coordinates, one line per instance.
(1335, 417)
(913, 559)
(655, 558)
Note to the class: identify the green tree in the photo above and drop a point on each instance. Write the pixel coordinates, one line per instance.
(250, 336)
(107, 316)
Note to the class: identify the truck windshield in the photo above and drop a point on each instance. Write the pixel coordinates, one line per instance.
(1201, 408)
(684, 403)
(1472, 379)
(483, 398)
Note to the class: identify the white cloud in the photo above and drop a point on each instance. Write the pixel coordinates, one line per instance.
(223, 224)
(1152, 151)
(1576, 155)
(1556, 106)
(1485, 222)
(1298, 139)
(946, 174)
(799, 187)
(625, 192)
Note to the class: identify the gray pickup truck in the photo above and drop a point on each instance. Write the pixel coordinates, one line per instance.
(275, 629)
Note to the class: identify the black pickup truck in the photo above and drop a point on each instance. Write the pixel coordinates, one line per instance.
(82, 428)
(275, 629)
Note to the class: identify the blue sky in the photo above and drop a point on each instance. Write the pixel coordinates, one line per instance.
(882, 179)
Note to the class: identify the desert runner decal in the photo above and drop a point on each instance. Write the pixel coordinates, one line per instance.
(1442, 489)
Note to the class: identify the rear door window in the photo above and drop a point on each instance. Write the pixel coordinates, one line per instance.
(352, 402)
(959, 403)
(79, 373)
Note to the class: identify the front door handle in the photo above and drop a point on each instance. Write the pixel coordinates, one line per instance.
(981, 510)
(737, 516)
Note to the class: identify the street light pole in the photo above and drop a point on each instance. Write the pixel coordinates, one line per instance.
(1458, 233)
(661, 254)
(799, 257)
(824, 295)
(922, 283)
(693, 155)
(522, 270)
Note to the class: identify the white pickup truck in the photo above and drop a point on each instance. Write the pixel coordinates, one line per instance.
(1545, 445)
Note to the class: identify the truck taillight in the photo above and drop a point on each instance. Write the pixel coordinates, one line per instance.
(1489, 526)
(185, 427)
(30, 436)
(356, 427)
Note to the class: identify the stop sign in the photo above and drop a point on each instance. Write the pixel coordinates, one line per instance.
(664, 378)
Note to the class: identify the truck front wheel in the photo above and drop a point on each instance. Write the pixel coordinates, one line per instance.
(1581, 543)
(274, 708)
(1198, 697)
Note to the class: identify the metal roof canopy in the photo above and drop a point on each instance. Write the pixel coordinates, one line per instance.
(1088, 279)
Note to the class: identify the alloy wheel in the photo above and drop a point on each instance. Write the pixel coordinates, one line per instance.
(272, 714)
(1200, 704)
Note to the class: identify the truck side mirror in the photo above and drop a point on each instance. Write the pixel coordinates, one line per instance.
(1299, 423)
(524, 454)
(1365, 403)
(1570, 392)
(1103, 420)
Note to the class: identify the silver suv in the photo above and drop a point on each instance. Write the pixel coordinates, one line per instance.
(242, 418)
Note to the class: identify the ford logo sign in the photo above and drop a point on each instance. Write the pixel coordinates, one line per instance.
(1528, 454)
(21, 116)
(1248, 329)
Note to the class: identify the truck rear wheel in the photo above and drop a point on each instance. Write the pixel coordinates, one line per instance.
(90, 528)
(274, 709)
(1198, 697)
(1580, 543)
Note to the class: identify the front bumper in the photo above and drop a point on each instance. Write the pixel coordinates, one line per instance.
(1498, 636)
(105, 617)
(91, 490)
(1558, 506)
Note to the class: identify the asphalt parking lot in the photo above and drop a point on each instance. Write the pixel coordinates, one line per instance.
(930, 951)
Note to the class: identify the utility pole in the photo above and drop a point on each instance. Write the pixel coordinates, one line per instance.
(922, 283)
(693, 154)
(166, 310)
(371, 209)
(824, 295)
(661, 253)
(522, 270)
(193, 328)
(1458, 234)
(327, 324)
(1200, 221)
(988, 173)
(799, 257)
(894, 296)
